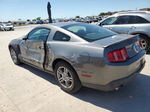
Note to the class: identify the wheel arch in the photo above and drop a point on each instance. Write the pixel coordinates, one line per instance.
(62, 60)
(141, 33)
(15, 47)
(145, 35)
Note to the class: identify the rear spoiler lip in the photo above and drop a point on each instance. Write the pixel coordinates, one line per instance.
(137, 35)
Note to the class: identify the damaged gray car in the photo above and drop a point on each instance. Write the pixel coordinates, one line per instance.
(81, 54)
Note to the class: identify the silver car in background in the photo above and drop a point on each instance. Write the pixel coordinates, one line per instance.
(80, 54)
(132, 22)
(6, 27)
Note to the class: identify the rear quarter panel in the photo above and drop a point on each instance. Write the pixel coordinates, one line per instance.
(141, 28)
(83, 58)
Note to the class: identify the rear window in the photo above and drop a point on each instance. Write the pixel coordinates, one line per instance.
(89, 32)
(131, 20)
(141, 20)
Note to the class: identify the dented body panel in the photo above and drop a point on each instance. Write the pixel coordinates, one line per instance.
(87, 58)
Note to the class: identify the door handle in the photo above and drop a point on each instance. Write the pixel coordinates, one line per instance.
(110, 28)
(41, 47)
(133, 27)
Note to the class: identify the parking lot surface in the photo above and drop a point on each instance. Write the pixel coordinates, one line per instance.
(27, 89)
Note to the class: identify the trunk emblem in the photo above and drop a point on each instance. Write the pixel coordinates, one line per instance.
(135, 48)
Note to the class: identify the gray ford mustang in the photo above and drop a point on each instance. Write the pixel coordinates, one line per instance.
(81, 54)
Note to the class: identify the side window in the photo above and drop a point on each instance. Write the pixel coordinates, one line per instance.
(59, 36)
(39, 34)
(141, 20)
(109, 21)
(122, 20)
(132, 20)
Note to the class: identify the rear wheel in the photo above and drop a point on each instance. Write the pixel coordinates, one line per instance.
(67, 78)
(145, 43)
(14, 56)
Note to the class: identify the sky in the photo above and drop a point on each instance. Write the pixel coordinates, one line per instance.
(30, 9)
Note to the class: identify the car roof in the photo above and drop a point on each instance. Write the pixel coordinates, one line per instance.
(62, 24)
(144, 14)
(134, 12)
(58, 27)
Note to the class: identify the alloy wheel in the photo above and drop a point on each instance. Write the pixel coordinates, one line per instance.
(65, 77)
(13, 55)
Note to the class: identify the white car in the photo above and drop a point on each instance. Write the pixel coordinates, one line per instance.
(6, 27)
(130, 22)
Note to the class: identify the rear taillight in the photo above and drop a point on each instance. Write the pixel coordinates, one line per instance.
(119, 55)
(140, 43)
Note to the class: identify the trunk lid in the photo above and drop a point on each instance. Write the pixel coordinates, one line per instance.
(112, 40)
(129, 42)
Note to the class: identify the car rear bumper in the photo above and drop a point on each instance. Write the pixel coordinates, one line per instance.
(116, 83)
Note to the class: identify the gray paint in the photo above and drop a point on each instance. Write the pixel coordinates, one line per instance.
(85, 57)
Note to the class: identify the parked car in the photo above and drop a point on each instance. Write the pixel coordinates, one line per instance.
(6, 27)
(39, 22)
(1, 27)
(81, 54)
(88, 20)
(29, 22)
(132, 22)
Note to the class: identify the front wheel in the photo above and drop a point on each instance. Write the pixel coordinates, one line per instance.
(67, 78)
(14, 56)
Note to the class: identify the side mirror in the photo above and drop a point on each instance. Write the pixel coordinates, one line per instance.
(24, 38)
(100, 24)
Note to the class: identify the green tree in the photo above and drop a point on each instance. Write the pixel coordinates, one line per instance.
(28, 20)
(105, 13)
(77, 16)
(109, 13)
(33, 19)
(38, 18)
(102, 14)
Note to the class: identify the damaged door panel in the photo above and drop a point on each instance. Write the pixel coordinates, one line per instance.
(36, 52)
(33, 47)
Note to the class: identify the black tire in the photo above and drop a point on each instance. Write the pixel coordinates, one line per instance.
(76, 85)
(146, 40)
(15, 60)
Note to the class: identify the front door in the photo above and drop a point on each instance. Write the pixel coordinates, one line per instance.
(33, 47)
(121, 29)
(120, 24)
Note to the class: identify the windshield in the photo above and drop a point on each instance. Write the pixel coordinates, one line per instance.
(7, 24)
(89, 32)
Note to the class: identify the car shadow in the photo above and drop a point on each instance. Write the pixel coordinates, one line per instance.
(135, 97)
(40, 73)
(148, 52)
